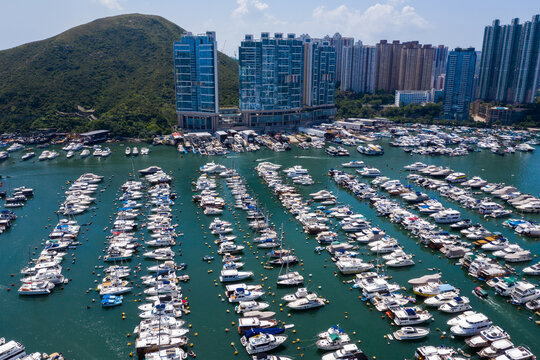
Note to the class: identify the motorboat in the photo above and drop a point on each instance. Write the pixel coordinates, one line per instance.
(241, 294)
(348, 352)
(332, 339)
(457, 304)
(85, 153)
(411, 333)
(533, 305)
(160, 254)
(352, 265)
(432, 289)
(28, 156)
(429, 352)
(254, 323)
(12, 350)
(486, 337)
(270, 357)
(524, 292)
(309, 302)
(111, 300)
(353, 164)
(369, 172)
(36, 288)
(479, 292)
(400, 261)
(415, 167)
(517, 353)
(152, 343)
(175, 353)
(448, 216)
(234, 275)
(442, 298)
(471, 325)
(532, 270)
(262, 343)
(247, 306)
(300, 293)
(496, 348)
(463, 224)
(410, 316)
(506, 285)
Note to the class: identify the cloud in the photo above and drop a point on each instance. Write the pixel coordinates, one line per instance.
(245, 5)
(111, 4)
(390, 16)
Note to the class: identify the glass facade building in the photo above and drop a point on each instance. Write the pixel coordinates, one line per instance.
(271, 72)
(510, 62)
(196, 80)
(459, 83)
(286, 80)
(319, 72)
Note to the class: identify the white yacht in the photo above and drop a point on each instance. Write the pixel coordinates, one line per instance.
(486, 337)
(496, 348)
(85, 153)
(352, 266)
(234, 275)
(411, 333)
(11, 350)
(241, 294)
(262, 343)
(448, 216)
(44, 155)
(353, 164)
(440, 299)
(519, 256)
(175, 353)
(348, 352)
(415, 167)
(309, 302)
(532, 270)
(488, 207)
(246, 306)
(518, 353)
(471, 325)
(369, 172)
(458, 304)
(332, 339)
(410, 316)
(299, 294)
(524, 292)
(400, 261)
(36, 288)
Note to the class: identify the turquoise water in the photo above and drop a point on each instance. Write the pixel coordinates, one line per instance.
(62, 322)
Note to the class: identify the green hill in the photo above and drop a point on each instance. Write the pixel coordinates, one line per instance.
(120, 66)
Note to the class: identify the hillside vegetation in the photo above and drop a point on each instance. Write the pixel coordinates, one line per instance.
(120, 66)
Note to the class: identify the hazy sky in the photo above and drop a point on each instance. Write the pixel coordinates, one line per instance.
(450, 22)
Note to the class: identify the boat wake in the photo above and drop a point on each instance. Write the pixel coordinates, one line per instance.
(307, 157)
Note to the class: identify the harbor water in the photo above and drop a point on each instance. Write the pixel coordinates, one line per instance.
(70, 322)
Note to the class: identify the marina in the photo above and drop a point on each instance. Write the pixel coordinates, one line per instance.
(266, 237)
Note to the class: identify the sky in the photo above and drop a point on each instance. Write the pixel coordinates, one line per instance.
(450, 22)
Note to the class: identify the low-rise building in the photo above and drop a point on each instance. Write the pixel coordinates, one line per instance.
(406, 97)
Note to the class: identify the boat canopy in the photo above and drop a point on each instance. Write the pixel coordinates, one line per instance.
(272, 331)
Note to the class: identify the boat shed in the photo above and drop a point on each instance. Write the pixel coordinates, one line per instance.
(95, 136)
(221, 135)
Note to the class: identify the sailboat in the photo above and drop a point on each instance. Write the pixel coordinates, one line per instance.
(289, 278)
